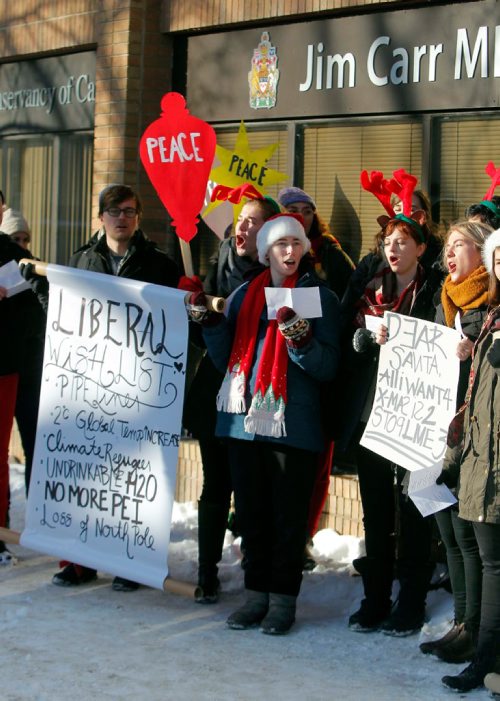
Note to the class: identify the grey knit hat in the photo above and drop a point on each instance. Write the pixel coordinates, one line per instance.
(289, 195)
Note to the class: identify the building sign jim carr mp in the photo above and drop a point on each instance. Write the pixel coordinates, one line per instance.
(444, 57)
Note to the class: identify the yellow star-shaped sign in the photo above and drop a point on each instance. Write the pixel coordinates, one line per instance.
(241, 165)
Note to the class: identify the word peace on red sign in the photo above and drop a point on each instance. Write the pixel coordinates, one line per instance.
(177, 151)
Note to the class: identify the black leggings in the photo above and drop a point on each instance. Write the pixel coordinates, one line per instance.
(488, 538)
(464, 565)
(272, 490)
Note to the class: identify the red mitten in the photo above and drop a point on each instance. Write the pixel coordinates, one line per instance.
(296, 330)
(190, 284)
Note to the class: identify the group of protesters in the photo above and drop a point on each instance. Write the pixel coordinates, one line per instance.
(274, 429)
(261, 402)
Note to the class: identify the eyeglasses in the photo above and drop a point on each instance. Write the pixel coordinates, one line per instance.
(129, 212)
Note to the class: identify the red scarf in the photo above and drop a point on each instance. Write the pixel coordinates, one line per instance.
(381, 295)
(266, 415)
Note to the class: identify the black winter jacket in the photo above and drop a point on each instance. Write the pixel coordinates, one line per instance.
(144, 261)
(22, 320)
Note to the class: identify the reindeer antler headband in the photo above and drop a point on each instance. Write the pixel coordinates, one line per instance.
(494, 174)
(234, 195)
(402, 184)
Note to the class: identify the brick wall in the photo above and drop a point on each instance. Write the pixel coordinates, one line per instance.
(184, 15)
(133, 70)
(34, 27)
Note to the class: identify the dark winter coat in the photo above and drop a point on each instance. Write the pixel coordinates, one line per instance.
(227, 270)
(144, 261)
(358, 370)
(478, 458)
(335, 266)
(22, 320)
(308, 368)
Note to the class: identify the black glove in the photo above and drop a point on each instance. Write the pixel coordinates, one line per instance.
(448, 478)
(296, 330)
(39, 283)
(493, 354)
(198, 311)
(363, 340)
(27, 270)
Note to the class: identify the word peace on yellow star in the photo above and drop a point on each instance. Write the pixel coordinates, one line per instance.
(241, 165)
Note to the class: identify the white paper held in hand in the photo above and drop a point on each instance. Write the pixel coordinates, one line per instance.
(11, 279)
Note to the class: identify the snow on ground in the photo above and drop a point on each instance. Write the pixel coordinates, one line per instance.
(93, 643)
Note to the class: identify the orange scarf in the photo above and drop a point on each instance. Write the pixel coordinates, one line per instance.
(471, 293)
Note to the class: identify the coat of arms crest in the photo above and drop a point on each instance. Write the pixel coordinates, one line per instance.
(264, 75)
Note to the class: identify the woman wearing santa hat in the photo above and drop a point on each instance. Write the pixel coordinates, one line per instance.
(269, 412)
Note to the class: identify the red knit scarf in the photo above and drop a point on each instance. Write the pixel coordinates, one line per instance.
(381, 295)
(266, 415)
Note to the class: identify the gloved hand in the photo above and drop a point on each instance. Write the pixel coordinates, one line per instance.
(27, 270)
(190, 284)
(198, 311)
(363, 340)
(39, 283)
(296, 330)
(448, 478)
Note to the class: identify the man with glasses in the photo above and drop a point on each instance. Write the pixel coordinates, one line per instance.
(119, 248)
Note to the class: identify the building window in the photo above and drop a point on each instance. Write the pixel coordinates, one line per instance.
(49, 179)
(462, 148)
(334, 156)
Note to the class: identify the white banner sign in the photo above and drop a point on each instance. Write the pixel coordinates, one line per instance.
(104, 470)
(416, 391)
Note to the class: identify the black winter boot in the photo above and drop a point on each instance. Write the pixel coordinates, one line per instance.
(251, 613)
(281, 614)
(470, 678)
(409, 615)
(212, 522)
(376, 606)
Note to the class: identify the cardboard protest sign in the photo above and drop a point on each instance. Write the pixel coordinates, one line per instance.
(415, 396)
(104, 470)
(235, 167)
(177, 151)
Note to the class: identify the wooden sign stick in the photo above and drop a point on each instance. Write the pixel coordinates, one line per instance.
(173, 586)
(215, 304)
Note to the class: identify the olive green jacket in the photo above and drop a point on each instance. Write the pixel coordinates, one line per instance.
(478, 459)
